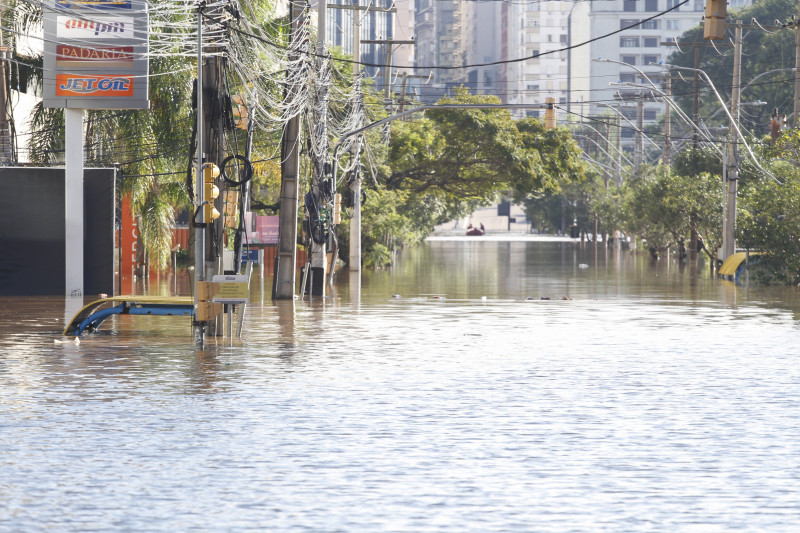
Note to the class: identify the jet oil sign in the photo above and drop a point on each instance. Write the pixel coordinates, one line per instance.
(110, 85)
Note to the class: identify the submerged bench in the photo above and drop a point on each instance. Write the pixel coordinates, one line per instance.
(92, 315)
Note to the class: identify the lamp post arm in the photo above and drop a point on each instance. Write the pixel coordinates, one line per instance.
(730, 117)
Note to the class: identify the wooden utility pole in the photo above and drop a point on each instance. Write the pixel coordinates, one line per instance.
(732, 175)
(286, 258)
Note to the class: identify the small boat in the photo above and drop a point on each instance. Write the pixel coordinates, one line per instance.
(475, 232)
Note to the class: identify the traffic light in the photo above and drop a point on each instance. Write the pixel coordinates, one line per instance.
(210, 173)
(714, 22)
(550, 114)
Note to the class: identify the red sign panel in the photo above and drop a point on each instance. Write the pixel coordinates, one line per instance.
(95, 86)
(75, 56)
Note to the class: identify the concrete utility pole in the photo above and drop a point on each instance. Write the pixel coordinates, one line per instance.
(639, 146)
(667, 122)
(732, 175)
(319, 253)
(285, 261)
(387, 75)
(355, 221)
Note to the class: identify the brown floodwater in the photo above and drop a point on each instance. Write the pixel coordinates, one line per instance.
(478, 385)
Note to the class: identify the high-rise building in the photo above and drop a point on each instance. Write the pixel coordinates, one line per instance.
(622, 57)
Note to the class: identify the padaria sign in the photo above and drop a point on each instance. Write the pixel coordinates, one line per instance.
(95, 54)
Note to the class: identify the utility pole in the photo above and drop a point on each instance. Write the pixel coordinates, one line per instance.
(667, 122)
(796, 113)
(732, 174)
(318, 262)
(639, 146)
(407, 77)
(387, 76)
(285, 261)
(355, 221)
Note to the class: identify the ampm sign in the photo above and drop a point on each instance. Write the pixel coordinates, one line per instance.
(95, 28)
(96, 60)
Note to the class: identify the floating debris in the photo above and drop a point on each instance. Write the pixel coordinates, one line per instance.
(74, 340)
(583, 265)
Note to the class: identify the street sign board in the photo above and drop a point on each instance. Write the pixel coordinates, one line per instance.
(95, 54)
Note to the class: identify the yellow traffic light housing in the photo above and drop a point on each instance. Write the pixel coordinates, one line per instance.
(550, 114)
(714, 22)
(210, 192)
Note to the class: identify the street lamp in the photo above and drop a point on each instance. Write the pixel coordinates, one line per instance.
(733, 122)
(678, 110)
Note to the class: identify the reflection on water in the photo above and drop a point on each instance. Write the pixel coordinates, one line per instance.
(450, 397)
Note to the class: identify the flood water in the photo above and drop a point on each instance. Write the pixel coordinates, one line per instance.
(440, 400)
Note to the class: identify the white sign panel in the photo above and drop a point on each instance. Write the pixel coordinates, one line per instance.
(106, 28)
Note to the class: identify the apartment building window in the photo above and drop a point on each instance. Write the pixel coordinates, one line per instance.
(650, 25)
(562, 100)
(651, 59)
(628, 60)
(651, 5)
(627, 23)
(673, 24)
(549, 37)
(651, 42)
(649, 114)
(627, 77)
(699, 5)
(673, 3)
(563, 38)
(630, 5)
(628, 42)
(532, 114)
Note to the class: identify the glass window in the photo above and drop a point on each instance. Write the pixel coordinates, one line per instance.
(650, 25)
(629, 60)
(627, 23)
(628, 42)
(699, 5)
(651, 59)
(651, 5)
(630, 5)
(651, 42)
(649, 114)
(673, 3)
(673, 24)
(627, 77)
